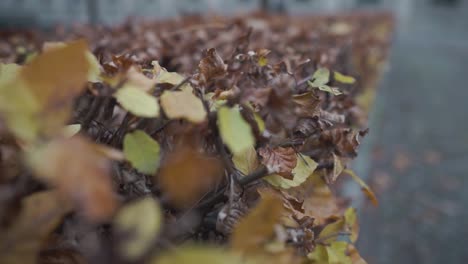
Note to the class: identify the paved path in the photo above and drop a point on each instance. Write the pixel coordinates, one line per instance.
(419, 145)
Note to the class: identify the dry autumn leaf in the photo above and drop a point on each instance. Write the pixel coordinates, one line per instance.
(211, 66)
(257, 228)
(183, 104)
(279, 160)
(138, 223)
(187, 175)
(247, 161)
(80, 172)
(39, 215)
(305, 167)
(364, 187)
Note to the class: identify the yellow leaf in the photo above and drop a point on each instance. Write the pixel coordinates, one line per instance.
(336, 252)
(352, 223)
(183, 104)
(40, 213)
(247, 161)
(235, 131)
(142, 151)
(137, 101)
(304, 168)
(364, 187)
(319, 255)
(257, 228)
(200, 255)
(331, 232)
(71, 130)
(343, 78)
(138, 224)
(320, 77)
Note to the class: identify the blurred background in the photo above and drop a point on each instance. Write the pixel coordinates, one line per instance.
(416, 155)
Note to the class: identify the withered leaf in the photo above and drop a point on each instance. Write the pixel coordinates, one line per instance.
(56, 76)
(317, 200)
(39, 215)
(308, 104)
(80, 172)
(305, 167)
(279, 160)
(257, 228)
(211, 66)
(187, 174)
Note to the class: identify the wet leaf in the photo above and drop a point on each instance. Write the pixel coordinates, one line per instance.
(187, 174)
(80, 172)
(235, 131)
(257, 228)
(39, 215)
(142, 151)
(304, 168)
(279, 160)
(247, 161)
(137, 101)
(364, 187)
(183, 104)
(343, 78)
(138, 224)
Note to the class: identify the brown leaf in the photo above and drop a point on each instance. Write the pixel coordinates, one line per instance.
(58, 74)
(279, 160)
(81, 173)
(257, 228)
(186, 175)
(317, 200)
(308, 104)
(55, 78)
(345, 141)
(211, 67)
(40, 214)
